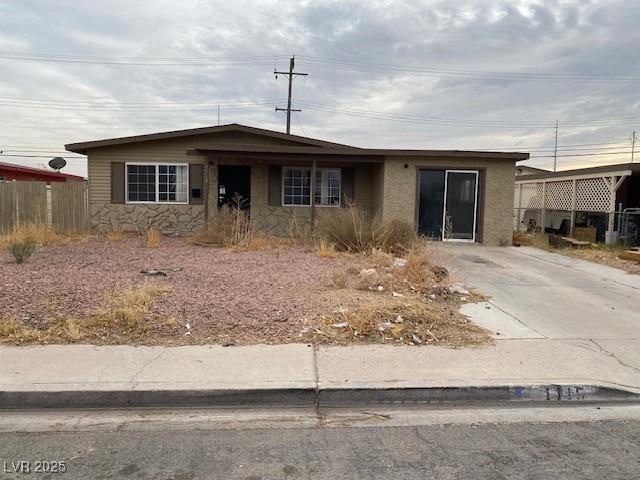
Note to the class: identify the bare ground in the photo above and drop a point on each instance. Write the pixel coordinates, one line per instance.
(275, 295)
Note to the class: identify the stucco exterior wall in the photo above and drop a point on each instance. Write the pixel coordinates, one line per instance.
(496, 188)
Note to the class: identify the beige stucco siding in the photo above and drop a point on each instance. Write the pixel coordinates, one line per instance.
(496, 187)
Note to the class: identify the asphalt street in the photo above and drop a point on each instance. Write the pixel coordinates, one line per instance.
(355, 445)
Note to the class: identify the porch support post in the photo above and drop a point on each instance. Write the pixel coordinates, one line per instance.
(573, 207)
(313, 195)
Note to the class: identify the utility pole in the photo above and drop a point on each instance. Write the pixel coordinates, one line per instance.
(218, 114)
(633, 144)
(291, 74)
(555, 150)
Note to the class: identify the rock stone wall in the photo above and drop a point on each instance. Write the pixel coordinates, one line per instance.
(168, 219)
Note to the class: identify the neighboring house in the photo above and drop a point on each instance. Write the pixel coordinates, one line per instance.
(583, 197)
(10, 171)
(177, 180)
(527, 170)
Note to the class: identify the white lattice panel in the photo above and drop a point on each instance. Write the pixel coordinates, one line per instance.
(531, 195)
(592, 195)
(558, 195)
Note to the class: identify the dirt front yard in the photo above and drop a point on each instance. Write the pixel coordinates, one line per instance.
(94, 291)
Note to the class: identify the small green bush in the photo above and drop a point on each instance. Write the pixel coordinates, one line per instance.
(21, 250)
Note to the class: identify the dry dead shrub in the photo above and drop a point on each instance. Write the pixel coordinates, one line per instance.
(419, 274)
(326, 249)
(353, 230)
(406, 321)
(40, 235)
(229, 227)
(420, 271)
(379, 258)
(153, 238)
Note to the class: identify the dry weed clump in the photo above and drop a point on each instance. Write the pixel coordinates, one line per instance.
(415, 273)
(326, 249)
(410, 322)
(231, 228)
(354, 230)
(153, 238)
(40, 235)
(130, 307)
(126, 315)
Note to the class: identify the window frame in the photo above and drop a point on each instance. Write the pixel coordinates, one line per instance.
(332, 205)
(312, 188)
(157, 201)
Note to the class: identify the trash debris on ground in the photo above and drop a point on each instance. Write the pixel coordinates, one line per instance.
(160, 272)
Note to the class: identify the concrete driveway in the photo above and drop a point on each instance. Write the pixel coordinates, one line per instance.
(539, 295)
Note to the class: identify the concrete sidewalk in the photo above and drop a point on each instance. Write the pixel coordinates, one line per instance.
(83, 375)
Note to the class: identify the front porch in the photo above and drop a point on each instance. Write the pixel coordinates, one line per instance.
(287, 193)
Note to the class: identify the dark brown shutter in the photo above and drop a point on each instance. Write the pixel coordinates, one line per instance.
(117, 182)
(348, 185)
(196, 191)
(275, 185)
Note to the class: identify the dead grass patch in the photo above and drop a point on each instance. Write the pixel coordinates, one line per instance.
(326, 249)
(40, 235)
(401, 321)
(153, 238)
(126, 316)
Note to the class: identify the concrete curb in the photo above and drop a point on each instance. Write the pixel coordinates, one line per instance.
(477, 395)
(329, 397)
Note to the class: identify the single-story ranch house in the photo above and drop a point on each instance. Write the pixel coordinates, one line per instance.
(177, 180)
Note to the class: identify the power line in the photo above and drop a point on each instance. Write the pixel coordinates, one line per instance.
(582, 154)
(469, 74)
(449, 121)
(250, 61)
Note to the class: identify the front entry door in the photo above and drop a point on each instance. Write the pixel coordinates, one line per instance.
(447, 208)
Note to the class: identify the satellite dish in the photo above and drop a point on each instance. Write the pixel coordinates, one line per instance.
(57, 163)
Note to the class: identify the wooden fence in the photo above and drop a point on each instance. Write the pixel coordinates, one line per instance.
(61, 205)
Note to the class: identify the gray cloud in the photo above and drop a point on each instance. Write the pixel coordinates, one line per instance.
(560, 37)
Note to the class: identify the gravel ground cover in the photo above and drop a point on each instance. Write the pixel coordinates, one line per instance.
(242, 297)
(209, 295)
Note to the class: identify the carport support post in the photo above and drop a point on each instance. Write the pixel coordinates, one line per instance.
(313, 195)
(573, 207)
(544, 203)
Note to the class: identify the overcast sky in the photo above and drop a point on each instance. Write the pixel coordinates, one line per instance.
(480, 74)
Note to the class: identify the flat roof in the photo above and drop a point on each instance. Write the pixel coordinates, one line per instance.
(12, 167)
(355, 152)
(603, 169)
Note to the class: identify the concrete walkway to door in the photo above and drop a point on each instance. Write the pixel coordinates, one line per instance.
(539, 296)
